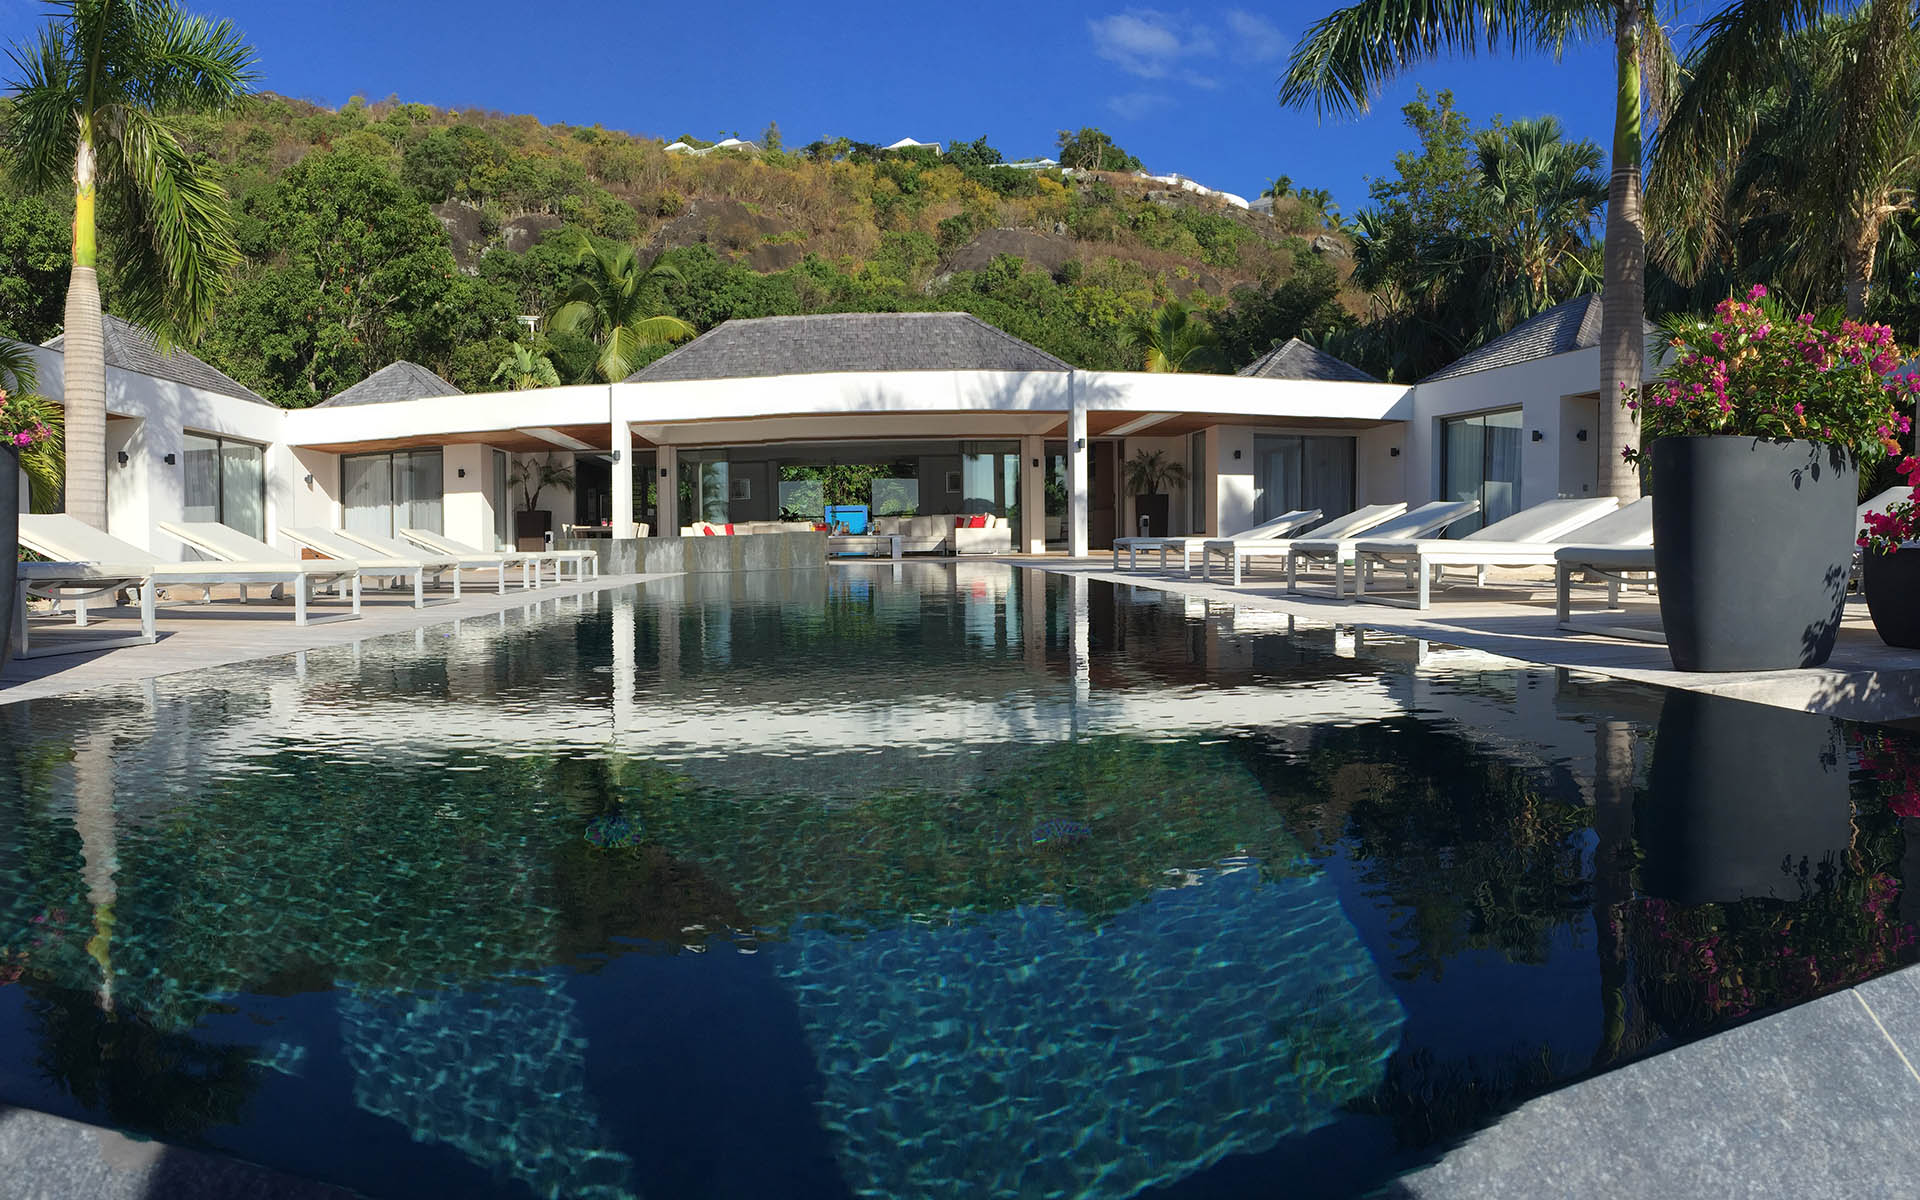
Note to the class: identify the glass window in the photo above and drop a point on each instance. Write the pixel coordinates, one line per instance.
(1303, 472)
(1480, 460)
(386, 493)
(225, 482)
(502, 501)
(1197, 490)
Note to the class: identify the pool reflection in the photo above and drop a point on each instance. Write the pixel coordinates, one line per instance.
(945, 860)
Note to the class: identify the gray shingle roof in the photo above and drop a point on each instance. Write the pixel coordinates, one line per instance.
(1297, 360)
(398, 380)
(1561, 329)
(132, 348)
(756, 347)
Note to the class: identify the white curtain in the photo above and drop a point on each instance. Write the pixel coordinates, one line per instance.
(243, 488)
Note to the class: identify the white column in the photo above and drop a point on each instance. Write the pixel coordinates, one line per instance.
(666, 464)
(626, 667)
(622, 479)
(1076, 469)
(1033, 495)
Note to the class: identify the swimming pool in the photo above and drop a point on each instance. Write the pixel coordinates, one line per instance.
(926, 880)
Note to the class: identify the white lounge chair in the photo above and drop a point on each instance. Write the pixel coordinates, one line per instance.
(582, 560)
(1424, 521)
(1241, 548)
(69, 540)
(497, 561)
(1553, 525)
(64, 582)
(1280, 526)
(1618, 565)
(414, 567)
(242, 552)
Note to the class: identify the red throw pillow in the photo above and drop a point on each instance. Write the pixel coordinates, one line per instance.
(729, 528)
(706, 531)
(960, 522)
(979, 521)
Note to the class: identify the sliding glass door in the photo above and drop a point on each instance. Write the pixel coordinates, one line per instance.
(386, 493)
(1292, 473)
(502, 501)
(1480, 458)
(226, 482)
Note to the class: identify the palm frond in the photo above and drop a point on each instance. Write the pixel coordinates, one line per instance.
(575, 316)
(191, 63)
(182, 230)
(41, 133)
(1349, 55)
(661, 330)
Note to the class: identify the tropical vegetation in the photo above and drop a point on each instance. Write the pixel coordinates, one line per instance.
(98, 101)
(1752, 370)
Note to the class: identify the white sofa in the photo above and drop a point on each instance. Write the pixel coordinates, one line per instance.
(937, 533)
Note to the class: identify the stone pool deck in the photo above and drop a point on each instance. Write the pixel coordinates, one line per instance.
(1866, 680)
(193, 636)
(1818, 1101)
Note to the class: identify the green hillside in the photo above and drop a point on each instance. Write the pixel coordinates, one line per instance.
(392, 230)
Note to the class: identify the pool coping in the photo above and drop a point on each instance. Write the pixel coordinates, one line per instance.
(222, 634)
(1866, 680)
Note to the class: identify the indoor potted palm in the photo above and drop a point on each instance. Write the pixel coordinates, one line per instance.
(28, 427)
(1147, 472)
(1891, 579)
(533, 476)
(1756, 433)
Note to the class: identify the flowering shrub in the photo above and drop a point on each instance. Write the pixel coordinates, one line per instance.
(1750, 371)
(25, 420)
(1885, 531)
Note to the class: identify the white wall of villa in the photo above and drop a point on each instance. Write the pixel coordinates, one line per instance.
(636, 433)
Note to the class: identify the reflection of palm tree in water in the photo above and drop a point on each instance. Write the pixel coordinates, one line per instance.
(1612, 876)
(99, 848)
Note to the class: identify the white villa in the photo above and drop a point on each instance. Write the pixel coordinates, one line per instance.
(952, 415)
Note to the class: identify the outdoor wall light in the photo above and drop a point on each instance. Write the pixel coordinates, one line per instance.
(1079, 444)
(1393, 452)
(616, 456)
(1036, 462)
(309, 478)
(121, 458)
(169, 460)
(1236, 454)
(1581, 436)
(1538, 436)
(460, 473)
(663, 472)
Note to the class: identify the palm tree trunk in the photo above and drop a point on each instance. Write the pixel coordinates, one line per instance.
(1857, 249)
(84, 386)
(1623, 302)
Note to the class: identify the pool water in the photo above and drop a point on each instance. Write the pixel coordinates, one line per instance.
(919, 880)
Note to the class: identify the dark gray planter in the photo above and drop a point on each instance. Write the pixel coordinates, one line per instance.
(9, 546)
(1892, 585)
(1752, 546)
(1742, 801)
(1154, 506)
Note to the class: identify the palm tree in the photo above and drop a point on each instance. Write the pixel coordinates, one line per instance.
(1784, 137)
(615, 301)
(1172, 339)
(522, 369)
(96, 101)
(1347, 56)
(1540, 195)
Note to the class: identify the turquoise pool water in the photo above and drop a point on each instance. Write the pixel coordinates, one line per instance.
(920, 881)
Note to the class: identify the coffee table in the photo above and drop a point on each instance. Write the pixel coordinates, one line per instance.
(865, 545)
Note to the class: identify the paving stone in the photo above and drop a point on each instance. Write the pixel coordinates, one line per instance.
(1813, 1102)
(1895, 1002)
(51, 1158)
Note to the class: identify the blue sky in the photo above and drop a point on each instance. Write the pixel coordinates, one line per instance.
(1186, 89)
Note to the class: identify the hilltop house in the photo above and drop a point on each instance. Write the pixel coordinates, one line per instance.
(952, 414)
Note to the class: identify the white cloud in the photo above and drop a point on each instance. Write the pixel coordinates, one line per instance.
(1254, 38)
(1150, 44)
(1134, 105)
